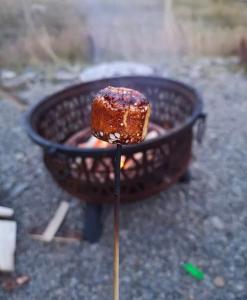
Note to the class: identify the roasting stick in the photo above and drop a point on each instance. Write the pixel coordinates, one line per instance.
(116, 223)
(119, 116)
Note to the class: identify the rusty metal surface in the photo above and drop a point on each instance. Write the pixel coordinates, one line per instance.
(88, 173)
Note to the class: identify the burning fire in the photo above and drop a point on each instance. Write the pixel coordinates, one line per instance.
(93, 142)
(122, 162)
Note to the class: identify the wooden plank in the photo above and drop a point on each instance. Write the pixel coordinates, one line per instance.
(6, 212)
(62, 239)
(7, 245)
(55, 222)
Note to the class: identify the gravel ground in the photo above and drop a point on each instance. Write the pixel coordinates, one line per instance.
(203, 222)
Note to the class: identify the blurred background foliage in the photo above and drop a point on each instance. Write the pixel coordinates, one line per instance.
(40, 32)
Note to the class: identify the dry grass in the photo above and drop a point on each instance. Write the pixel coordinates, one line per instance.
(215, 42)
(55, 31)
(212, 27)
(34, 32)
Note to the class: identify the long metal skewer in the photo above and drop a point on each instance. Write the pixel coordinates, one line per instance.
(116, 223)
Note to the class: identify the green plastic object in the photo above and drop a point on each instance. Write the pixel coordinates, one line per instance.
(193, 270)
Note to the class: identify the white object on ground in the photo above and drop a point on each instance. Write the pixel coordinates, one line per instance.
(55, 222)
(7, 245)
(6, 212)
(112, 69)
(7, 75)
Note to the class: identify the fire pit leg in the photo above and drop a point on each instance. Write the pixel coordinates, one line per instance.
(93, 226)
(186, 177)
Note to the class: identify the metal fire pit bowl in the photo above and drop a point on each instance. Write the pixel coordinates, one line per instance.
(61, 121)
(153, 165)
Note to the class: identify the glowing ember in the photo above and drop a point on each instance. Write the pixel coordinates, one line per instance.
(123, 162)
(93, 142)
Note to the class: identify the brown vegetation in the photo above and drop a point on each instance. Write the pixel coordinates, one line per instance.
(35, 32)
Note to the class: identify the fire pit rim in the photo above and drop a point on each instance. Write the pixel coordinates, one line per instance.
(53, 147)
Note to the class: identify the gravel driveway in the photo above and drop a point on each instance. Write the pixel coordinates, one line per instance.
(204, 222)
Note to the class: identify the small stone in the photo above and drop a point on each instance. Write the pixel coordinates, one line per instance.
(239, 287)
(18, 189)
(219, 281)
(8, 75)
(19, 81)
(63, 75)
(117, 135)
(19, 156)
(217, 223)
(73, 282)
(22, 280)
(117, 68)
(29, 76)
(220, 61)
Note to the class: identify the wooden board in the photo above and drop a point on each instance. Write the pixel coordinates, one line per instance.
(55, 222)
(7, 245)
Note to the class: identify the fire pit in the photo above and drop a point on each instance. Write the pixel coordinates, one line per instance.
(60, 125)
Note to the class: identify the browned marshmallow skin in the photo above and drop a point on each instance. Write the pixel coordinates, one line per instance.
(120, 115)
